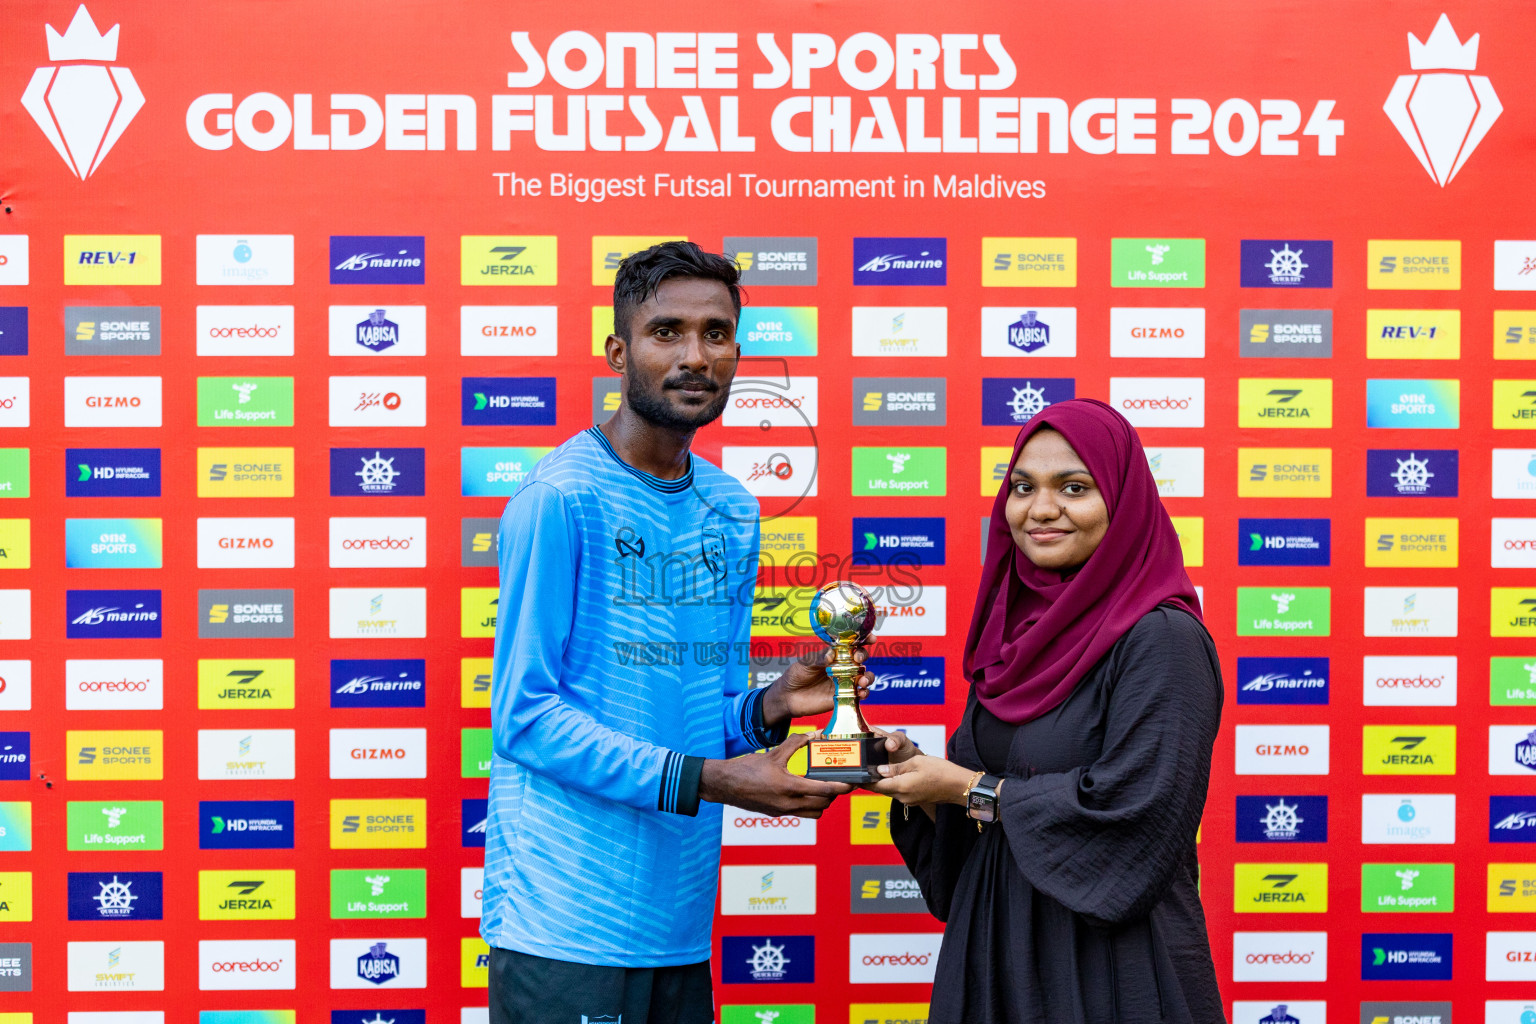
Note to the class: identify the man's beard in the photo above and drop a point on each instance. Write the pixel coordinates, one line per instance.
(656, 410)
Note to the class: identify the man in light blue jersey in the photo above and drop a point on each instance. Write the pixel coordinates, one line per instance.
(621, 716)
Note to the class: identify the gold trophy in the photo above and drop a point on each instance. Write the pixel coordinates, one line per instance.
(843, 614)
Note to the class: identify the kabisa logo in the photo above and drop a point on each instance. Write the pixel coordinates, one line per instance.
(1423, 473)
(83, 108)
(906, 680)
(1284, 541)
(1282, 819)
(1512, 819)
(378, 333)
(117, 614)
(508, 401)
(112, 472)
(245, 825)
(378, 471)
(1019, 331)
(1029, 333)
(1390, 956)
(767, 958)
(378, 259)
(1442, 115)
(378, 965)
(15, 755)
(1286, 264)
(1282, 680)
(378, 683)
(900, 261)
(115, 896)
(899, 541)
(1010, 401)
(472, 817)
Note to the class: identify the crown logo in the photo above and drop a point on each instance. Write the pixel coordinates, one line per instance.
(1444, 113)
(81, 41)
(1443, 51)
(82, 109)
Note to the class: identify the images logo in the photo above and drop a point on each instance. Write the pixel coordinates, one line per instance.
(116, 614)
(83, 108)
(378, 259)
(1282, 680)
(1286, 264)
(1011, 401)
(900, 261)
(773, 260)
(1283, 541)
(245, 824)
(1398, 473)
(1282, 819)
(1443, 115)
(115, 896)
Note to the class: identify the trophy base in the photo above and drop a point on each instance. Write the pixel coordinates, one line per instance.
(851, 760)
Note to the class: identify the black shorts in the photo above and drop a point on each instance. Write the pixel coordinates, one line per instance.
(528, 989)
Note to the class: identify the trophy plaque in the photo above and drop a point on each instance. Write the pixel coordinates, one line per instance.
(843, 614)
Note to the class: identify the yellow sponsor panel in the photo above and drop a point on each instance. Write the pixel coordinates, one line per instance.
(378, 824)
(15, 543)
(888, 1013)
(1191, 531)
(245, 472)
(1396, 264)
(111, 259)
(114, 754)
(477, 611)
(1280, 888)
(15, 1018)
(995, 462)
(1284, 402)
(245, 683)
(1512, 888)
(245, 895)
(1409, 750)
(1029, 262)
(789, 535)
(474, 963)
(1514, 334)
(1285, 472)
(869, 820)
(475, 682)
(1514, 405)
(782, 611)
(602, 326)
(1413, 334)
(15, 895)
(608, 251)
(1512, 611)
(508, 259)
(1411, 543)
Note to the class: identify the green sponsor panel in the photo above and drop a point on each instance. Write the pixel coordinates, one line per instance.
(245, 401)
(15, 473)
(1157, 263)
(778, 1013)
(1512, 681)
(1283, 611)
(115, 825)
(1408, 888)
(380, 892)
(889, 472)
(475, 753)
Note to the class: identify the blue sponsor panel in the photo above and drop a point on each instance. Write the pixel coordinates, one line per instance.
(1417, 473)
(112, 544)
(1282, 819)
(509, 401)
(376, 1016)
(916, 540)
(114, 614)
(1416, 404)
(15, 756)
(372, 472)
(1282, 680)
(112, 472)
(472, 814)
(116, 896)
(1284, 541)
(1405, 956)
(1012, 401)
(906, 681)
(245, 825)
(13, 330)
(1512, 819)
(378, 259)
(767, 959)
(900, 261)
(1286, 263)
(378, 683)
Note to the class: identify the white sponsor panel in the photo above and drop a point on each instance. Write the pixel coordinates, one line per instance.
(16, 401)
(901, 330)
(16, 685)
(1427, 681)
(116, 1017)
(113, 684)
(1159, 401)
(1282, 750)
(116, 966)
(999, 324)
(245, 542)
(927, 738)
(895, 957)
(759, 401)
(908, 611)
(361, 613)
(230, 754)
(1179, 472)
(378, 753)
(367, 963)
(1279, 956)
(767, 471)
(105, 401)
(474, 1015)
(1413, 818)
(391, 330)
(1511, 956)
(363, 542)
(1514, 472)
(508, 330)
(1514, 266)
(15, 259)
(1145, 332)
(471, 891)
(15, 614)
(245, 330)
(1410, 611)
(245, 259)
(1508, 1011)
(378, 401)
(1512, 750)
(1514, 544)
(238, 964)
(1308, 1011)
(767, 890)
(753, 828)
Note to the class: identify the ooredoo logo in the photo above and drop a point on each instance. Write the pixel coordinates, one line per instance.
(768, 402)
(753, 828)
(893, 957)
(1420, 681)
(245, 964)
(114, 685)
(1159, 401)
(369, 541)
(84, 107)
(245, 330)
(1280, 956)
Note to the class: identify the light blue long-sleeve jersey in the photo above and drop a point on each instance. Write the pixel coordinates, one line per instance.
(624, 615)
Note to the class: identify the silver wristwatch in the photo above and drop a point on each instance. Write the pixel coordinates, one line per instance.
(981, 798)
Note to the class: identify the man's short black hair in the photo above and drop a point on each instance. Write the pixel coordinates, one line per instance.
(642, 273)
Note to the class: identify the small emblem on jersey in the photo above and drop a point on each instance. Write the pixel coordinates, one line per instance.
(714, 553)
(629, 543)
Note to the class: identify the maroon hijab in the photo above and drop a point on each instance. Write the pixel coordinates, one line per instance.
(1034, 634)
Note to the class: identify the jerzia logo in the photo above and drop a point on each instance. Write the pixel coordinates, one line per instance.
(83, 108)
(1445, 114)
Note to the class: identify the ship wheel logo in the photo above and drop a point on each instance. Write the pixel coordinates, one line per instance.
(1280, 820)
(115, 899)
(1285, 265)
(1412, 475)
(1027, 401)
(768, 960)
(378, 473)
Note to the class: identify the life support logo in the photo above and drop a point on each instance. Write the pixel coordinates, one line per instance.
(84, 107)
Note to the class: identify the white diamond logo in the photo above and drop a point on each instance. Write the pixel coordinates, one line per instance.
(84, 106)
(1444, 114)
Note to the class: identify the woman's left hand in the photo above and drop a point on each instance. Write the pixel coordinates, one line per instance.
(924, 780)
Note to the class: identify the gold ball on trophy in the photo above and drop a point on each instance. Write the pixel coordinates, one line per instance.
(843, 614)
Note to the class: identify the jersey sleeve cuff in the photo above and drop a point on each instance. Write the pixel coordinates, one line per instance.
(753, 725)
(680, 784)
